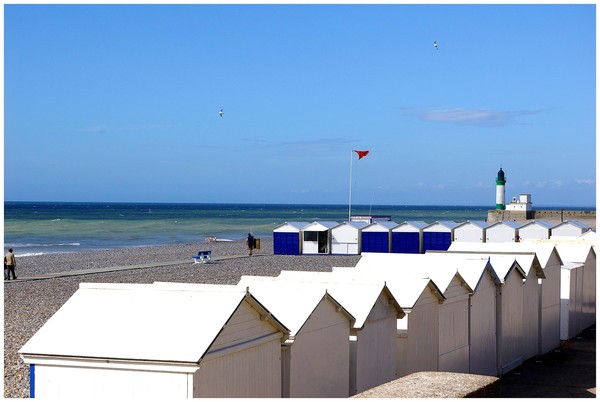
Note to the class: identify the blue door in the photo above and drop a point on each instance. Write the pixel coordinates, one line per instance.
(286, 243)
(375, 242)
(405, 242)
(436, 241)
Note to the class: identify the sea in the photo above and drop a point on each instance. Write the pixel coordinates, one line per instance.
(34, 228)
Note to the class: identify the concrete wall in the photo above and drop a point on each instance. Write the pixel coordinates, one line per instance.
(587, 217)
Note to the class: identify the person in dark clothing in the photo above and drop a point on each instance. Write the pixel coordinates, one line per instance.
(10, 262)
(250, 243)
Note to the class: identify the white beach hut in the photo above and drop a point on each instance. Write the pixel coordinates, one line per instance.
(502, 231)
(417, 332)
(407, 237)
(453, 335)
(570, 228)
(373, 337)
(287, 238)
(479, 274)
(585, 255)
(438, 235)
(316, 357)
(571, 300)
(470, 231)
(316, 237)
(535, 230)
(346, 237)
(547, 296)
(137, 341)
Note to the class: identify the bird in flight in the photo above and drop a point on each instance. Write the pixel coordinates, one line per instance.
(435, 45)
(221, 113)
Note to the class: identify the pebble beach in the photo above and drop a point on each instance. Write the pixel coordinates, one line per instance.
(29, 304)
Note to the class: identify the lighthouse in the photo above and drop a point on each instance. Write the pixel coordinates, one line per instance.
(500, 182)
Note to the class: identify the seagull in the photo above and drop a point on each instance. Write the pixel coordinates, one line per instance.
(221, 113)
(435, 45)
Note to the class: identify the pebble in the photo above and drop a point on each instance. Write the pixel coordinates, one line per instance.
(29, 304)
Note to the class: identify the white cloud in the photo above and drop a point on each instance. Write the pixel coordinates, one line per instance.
(469, 117)
(587, 182)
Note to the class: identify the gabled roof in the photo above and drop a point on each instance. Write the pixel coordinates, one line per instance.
(572, 252)
(296, 225)
(355, 224)
(510, 224)
(415, 224)
(441, 271)
(447, 224)
(388, 225)
(357, 297)
(544, 224)
(292, 303)
(479, 224)
(543, 250)
(139, 322)
(574, 223)
(471, 267)
(320, 226)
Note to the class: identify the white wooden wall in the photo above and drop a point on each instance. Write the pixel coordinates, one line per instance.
(103, 384)
(454, 329)
(550, 308)
(511, 324)
(469, 233)
(589, 291)
(570, 309)
(320, 356)
(344, 240)
(531, 311)
(534, 232)
(483, 354)
(499, 234)
(250, 372)
(375, 359)
(418, 349)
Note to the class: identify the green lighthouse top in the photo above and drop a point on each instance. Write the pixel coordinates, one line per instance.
(500, 180)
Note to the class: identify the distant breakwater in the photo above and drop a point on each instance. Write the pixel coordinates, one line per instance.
(551, 215)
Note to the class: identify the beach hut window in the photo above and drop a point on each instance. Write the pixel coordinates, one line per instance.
(311, 236)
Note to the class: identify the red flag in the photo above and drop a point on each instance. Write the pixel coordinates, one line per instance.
(361, 154)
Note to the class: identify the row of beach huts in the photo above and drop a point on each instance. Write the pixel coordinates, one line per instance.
(411, 237)
(480, 308)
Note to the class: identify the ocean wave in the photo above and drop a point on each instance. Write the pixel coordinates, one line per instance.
(29, 245)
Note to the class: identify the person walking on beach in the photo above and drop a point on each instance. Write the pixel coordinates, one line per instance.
(11, 262)
(250, 243)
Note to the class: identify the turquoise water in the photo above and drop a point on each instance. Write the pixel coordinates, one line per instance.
(51, 227)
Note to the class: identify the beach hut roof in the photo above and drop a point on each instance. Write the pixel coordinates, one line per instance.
(440, 270)
(446, 224)
(406, 290)
(120, 322)
(415, 224)
(479, 224)
(320, 226)
(542, 223)
(355, 224)
(383, 224)
(574, 252)
(471, 267)
(357, 297)
(510, 224)
(575, 223)
(296, 225)
(292, 303)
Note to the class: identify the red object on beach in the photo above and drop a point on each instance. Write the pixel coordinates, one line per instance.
(361, 154)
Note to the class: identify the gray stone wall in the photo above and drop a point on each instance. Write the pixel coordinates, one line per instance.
(555, 216)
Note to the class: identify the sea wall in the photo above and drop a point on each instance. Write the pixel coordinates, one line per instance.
(557, 215)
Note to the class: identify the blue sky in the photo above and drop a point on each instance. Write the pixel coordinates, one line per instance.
(121, 103)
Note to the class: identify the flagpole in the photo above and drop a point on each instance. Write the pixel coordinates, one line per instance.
(350, 196)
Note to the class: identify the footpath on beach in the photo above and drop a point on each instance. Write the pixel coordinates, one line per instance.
(125, 268)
